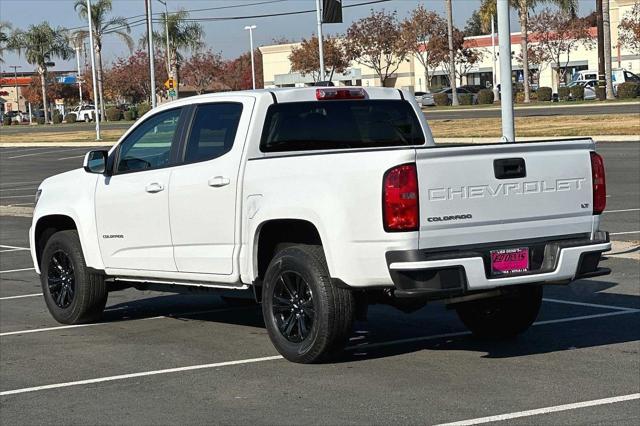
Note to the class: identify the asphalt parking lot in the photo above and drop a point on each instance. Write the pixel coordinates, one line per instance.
(158, 358)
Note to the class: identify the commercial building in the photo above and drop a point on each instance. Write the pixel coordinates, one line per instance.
(411, 74)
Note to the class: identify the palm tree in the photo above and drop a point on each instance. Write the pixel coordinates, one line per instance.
(5, 27)
(40, 44)
(103, 25)
(183, 35)
(488, 9)
(452, 63)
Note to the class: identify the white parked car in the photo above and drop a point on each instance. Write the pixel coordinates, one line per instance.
(84, 113)
(320, 200)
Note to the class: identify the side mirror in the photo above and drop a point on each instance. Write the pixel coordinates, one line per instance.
(95, 161)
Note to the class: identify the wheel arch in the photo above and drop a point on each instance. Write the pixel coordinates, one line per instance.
(48, 225)
(274, 232)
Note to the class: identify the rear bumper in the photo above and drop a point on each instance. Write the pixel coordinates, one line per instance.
(445, 273)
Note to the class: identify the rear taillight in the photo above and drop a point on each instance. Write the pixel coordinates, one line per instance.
(400, 199)
(599, 184)
(331, 93)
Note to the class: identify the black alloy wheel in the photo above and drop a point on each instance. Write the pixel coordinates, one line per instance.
(61, 279)
(292, 306)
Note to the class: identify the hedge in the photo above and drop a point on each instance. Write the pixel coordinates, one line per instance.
(129, 115)
(544, 94)
(628, 90)
(441, 99)
(6, 121)
(601, 93)
(485, 96)
(563, 93)
(70, 118)
(113, 114)
(40, 120)
(577, 92)
(143, 109)
(56, 118)
(465, 99)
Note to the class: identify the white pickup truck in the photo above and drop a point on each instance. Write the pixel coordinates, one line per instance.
(323, 201)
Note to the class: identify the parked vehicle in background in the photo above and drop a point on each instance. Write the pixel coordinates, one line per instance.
(472, 88)
(321, 201)
(589, 88)
(84, 112)
(618, 76)
(427, 99)
(418, 96)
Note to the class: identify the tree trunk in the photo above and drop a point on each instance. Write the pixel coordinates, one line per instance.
(174, 73)
(524, 42)
(452, 61)
(427, 80)
(606, 26)
(43, 83)
(601, 77)
(99, 77)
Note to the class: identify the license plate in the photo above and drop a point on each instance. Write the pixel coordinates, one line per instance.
(509, 261)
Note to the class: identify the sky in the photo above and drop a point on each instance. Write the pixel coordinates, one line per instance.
(227, 37)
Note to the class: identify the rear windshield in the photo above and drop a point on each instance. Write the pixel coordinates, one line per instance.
(341, 124)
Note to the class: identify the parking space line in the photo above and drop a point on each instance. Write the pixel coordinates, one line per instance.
(21, 296)
(624, 233)
(545, 410)
(17, 270)
(4, 246)
(31, 188)
(9, 197)
(19, 183)
(591, 305)
(69, 158)
(621, 211)
(44, 152)
(141, 374)
(168, 316)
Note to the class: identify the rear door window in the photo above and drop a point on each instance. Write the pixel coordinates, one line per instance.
(341, 124)
(213, 131)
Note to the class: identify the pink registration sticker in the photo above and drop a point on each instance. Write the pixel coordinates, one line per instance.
(509, 261)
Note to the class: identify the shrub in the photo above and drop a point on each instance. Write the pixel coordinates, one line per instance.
(465, 99)
(544, 94)
(563, 93)
(129, 115)
(56, 118)
(601, 93)
(113, 114)
(40, 120)
(577, 92)
(519, 97)
(485, 96)
(70, 118)
(628, 90)
(6, 121)
(441, 99)
(143, 109)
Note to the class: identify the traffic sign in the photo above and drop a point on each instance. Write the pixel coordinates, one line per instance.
(172, 93)
(170, 84)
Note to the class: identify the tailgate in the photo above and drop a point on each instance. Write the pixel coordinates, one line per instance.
(482, 194)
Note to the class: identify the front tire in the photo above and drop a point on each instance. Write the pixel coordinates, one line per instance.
(73, 294)
(307, 317)
(504, 317)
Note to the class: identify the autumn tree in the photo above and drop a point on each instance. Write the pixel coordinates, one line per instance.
(201, 70)
(128, 78)
(305, 59)
(237, 72)
(464, 58)
(424, 34)
(557, 34)
(630, 29)
(375, 42)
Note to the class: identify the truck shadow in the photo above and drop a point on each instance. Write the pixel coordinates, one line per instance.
(561, 326)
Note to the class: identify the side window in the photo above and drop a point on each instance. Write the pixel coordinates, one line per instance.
(149, 146)
(213, 131)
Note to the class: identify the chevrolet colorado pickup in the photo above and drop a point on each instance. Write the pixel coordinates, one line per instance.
(322, 201)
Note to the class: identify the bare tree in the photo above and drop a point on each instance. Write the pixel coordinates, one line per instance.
(452, 58)
(629, 35)
(375, 42)
(201, 70)
(424, 34)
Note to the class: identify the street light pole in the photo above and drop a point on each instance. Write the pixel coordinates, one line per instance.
(253, 66)
(93, 71)
(15, 82)
(78, 76)
(152, 68)
(320, 43)
(506, 93)
(166, 33)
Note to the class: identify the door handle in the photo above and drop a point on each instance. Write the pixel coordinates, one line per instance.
(154, 187)
(219, 181)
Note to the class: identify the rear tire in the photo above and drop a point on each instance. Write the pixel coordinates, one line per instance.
(308, 318)
(503, 317)
(73, 294)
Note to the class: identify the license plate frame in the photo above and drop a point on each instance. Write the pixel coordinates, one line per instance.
(509, 261)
